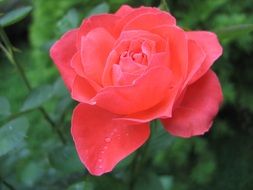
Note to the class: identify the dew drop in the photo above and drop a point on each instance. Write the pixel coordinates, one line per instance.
(106, 147)
(99, 160)
(93, 102)
(127, 134)
(115, 130)
(108, 139)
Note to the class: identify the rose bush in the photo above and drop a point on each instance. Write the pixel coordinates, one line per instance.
(129, 68)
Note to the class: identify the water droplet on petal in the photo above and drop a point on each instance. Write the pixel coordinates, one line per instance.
(108, 139)
(115, 130)
(99, 160)
(127, 134)
(106, 147)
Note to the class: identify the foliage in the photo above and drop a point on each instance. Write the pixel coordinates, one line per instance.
(36, 150)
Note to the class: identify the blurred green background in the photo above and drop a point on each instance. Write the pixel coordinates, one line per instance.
(34, 156)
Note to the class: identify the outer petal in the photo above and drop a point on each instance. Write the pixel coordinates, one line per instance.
(124, 10)
(199, 106)
(62, 52)
(145, 93)
(105, 21)
(128, 18)
(100, 141)
(195, 60)
(147, 21)
(208, 41)
(92, 56)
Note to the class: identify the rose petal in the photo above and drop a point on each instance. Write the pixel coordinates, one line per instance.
(121, 78)
(93, 59)
(161, 110)
(100, 142)
(195, 59)
(148, 21)
(76, 64)
(199, 106)
(145, 93)
(113, 58)
(140, 35)
(167, 18)
(208, 41)
(178, 49)
(105, 21)
(124, 10)
(82, 90)
(62, 52)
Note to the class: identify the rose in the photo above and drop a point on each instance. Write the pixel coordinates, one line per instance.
(129, 68)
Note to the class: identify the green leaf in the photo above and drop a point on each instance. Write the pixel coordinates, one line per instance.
(65, 159)
(164, 6)
(234, 32)
(59, 88)
(69, 21)
(167, 182)
(14, 16)
(106, 182)
(31, 172)
(12, 134)
(101, 8)
(81, 186)
(37, 97)
(160, 139)
(148, 181)
(4, 107)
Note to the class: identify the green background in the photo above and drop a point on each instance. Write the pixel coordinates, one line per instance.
(31, 153)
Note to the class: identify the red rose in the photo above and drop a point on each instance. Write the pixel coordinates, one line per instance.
(129, 68)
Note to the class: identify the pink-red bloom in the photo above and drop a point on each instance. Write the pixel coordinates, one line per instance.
(129, 68)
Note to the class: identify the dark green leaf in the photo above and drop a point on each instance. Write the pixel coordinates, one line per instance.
(81, 186)
(167, 182)
(101, 8)
(4, 107)
(160, 138)
(15, 16)
(234, 32)
(12, 134)
(31, 172)
(37, 97)
(69, 21)
(65, 159)
(164, 6)
(59, 88)
(105, 182)
(148, 181)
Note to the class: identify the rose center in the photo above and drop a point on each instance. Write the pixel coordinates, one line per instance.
(134, 57)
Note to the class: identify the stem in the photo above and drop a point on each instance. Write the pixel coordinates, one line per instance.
(139, 161)
(51, 122)
(11, 58)
(15, 115)
(6, 184)
(22, 74)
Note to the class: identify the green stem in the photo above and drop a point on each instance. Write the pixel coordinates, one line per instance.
(23, 76)
(6, 184)
(139, 161)
(15, 115)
